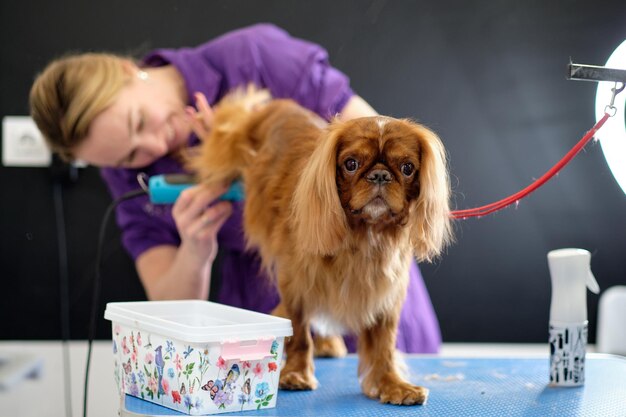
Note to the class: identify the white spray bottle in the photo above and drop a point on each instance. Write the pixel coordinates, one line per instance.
(571, 275)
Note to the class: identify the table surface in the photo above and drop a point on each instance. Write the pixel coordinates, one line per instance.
(44, 396)
(460, 387)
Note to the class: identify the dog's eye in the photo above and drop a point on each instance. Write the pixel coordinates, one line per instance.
(407, 169)
(351, 165)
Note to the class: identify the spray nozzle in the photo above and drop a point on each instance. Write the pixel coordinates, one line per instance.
(592, 284)
(570, 270)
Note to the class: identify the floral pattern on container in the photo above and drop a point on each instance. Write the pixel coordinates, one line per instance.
(193, 378)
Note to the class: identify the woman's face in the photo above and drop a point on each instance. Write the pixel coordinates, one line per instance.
(145, 122)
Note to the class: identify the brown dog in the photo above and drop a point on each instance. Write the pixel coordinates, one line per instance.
(336, 211)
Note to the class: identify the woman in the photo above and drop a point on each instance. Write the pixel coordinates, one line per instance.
(135, 120)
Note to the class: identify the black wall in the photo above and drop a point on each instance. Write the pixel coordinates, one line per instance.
(488, 76)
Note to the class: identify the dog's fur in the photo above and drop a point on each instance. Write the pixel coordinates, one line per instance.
(339, 240)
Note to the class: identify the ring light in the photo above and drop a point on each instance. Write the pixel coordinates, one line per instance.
(613, 134)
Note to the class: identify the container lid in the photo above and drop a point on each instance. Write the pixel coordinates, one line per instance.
(198, 321)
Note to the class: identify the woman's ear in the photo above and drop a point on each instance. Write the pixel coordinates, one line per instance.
(130, 68)
(320, 222)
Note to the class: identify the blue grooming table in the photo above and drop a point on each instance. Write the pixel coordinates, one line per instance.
(458, 387)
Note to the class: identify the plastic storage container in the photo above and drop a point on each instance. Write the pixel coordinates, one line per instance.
(197, 357)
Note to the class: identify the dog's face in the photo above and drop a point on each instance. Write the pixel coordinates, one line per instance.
(378, 162)
(374, 172)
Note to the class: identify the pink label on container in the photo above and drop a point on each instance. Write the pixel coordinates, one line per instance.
(247, 351)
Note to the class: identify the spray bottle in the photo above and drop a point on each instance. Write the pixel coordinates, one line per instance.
(571, 276)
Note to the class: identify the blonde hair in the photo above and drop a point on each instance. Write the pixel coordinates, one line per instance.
(70, 92)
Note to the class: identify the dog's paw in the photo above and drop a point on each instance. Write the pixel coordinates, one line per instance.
(401, 393)
(329, 347)
(296, 380)
(404, 393)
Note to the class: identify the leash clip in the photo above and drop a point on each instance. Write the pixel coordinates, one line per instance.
(610, 109)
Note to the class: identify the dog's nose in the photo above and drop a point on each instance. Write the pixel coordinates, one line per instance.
(379, 176)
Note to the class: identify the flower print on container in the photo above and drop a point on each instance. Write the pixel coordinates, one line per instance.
(244, 399)
(138, 338)
(149, 358)
(166, 386)
(176, 399)
(261, 389)
(272, 367)
(223, 399)
(132, 342)
(134, 389)
(171, 373)
(125, 346)
(221, 363)
(258, 370)
(178, 363)
(274, 349)
(141, 377)
(203, 365)
(188, 402)
(152, 387)
(263, 395)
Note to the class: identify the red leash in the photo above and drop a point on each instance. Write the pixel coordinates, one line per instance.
(498, 205)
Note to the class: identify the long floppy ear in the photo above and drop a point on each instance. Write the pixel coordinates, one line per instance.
(431, 228)
(319, 220)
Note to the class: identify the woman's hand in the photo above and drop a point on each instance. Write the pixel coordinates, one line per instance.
(200, 119)
(198, 221)
(172, 273)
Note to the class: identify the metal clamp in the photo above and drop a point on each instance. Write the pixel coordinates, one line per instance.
(582, 72)
(610, 109)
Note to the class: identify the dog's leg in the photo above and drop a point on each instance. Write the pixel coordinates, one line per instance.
(377, 369)
(298, 371)
(329, 346)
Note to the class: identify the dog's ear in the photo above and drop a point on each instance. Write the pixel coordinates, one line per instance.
(228, 147)
(431, 228)
(320, 223)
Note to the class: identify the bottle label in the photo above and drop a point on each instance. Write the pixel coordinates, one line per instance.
(568, 345)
